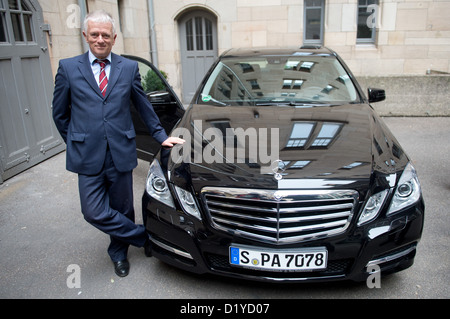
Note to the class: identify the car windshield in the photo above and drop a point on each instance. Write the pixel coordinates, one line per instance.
(303, 81)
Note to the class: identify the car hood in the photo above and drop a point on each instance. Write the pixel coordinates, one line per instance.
(344, 147)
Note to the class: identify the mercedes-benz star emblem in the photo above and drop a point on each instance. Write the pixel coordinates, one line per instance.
(278, 196)
(278, 168)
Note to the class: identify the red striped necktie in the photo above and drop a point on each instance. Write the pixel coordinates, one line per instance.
(103, 80)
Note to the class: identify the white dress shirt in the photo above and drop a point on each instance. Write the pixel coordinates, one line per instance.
(96, 66)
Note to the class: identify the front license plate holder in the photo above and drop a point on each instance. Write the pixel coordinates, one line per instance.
(257, 258)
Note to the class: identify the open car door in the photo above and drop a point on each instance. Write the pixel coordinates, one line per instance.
(165, 103)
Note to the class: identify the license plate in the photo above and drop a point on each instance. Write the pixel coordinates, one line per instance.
(307, 259)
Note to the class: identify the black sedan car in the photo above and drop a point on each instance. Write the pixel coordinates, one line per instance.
(287, 173)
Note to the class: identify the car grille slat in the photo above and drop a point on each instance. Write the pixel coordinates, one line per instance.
(247, 226)
(280, 216)
(316, 208)
(218, 212)
(314, 217)
(312, 227)
(241, 207)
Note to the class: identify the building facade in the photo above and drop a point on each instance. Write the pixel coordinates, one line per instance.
(400, 45)
(375, 37)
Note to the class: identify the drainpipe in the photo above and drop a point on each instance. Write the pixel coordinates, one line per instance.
(153, 48)
(83, 13)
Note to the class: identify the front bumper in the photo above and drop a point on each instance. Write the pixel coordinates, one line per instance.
(187, 243)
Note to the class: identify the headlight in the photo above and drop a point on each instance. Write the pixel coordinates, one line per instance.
(187, 201)
(373, 207)
(408, 190)
(157, 186)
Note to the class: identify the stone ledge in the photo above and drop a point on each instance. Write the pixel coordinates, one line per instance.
(427, 95)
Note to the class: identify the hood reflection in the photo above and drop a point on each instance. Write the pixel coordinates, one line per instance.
(327, 143)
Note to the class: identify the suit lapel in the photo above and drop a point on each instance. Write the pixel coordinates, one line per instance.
(116, 69)
(86, 70)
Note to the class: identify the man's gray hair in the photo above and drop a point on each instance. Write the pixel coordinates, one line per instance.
(99, 16)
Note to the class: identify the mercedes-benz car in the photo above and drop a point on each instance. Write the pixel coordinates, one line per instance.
(287, 173)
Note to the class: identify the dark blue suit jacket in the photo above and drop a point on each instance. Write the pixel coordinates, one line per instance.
(88, 122)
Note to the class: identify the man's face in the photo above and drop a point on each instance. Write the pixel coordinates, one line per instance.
(100, 38)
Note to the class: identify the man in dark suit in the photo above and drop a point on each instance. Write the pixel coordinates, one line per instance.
(91, 109)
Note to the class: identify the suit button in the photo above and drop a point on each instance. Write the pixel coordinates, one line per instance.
(105, 119)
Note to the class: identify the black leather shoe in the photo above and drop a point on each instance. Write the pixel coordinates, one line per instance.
(122, 268)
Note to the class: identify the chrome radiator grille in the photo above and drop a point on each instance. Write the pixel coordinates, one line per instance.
(280, 216)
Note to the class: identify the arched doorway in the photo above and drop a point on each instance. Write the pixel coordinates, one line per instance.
(27, 132)
(198, 47)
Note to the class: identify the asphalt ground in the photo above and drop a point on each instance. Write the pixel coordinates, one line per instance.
(48, 251)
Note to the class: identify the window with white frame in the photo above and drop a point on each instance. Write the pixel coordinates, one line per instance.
(313, 18)
(367, 21)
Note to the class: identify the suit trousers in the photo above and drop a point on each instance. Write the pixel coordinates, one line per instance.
(107, 204)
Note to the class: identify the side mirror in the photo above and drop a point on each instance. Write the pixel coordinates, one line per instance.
(376, 95)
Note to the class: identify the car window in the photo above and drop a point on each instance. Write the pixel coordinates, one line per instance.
(151, 82)
(282, 80)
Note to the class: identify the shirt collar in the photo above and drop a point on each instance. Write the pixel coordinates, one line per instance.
(92, 57)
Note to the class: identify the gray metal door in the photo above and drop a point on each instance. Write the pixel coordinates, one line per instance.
(27, 132)
(198, 35)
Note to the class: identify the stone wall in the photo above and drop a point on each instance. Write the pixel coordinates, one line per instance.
(427, 95)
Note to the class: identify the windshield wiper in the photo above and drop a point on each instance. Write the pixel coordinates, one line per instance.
(219, 102)
(294, 103)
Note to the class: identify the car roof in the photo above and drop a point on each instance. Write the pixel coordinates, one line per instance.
(289, 51)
